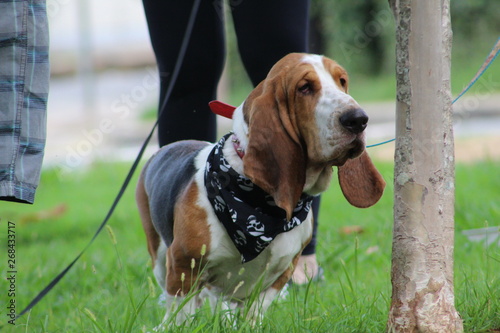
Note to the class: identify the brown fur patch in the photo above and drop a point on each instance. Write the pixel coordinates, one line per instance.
(152, 237)
(361, 182)
(275, 159)
(191, 234)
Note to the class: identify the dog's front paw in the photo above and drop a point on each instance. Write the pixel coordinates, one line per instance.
(162, 299)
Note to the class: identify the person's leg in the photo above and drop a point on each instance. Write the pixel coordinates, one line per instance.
(24, 87)
(269, 30)
(187, 115)
(266, 32)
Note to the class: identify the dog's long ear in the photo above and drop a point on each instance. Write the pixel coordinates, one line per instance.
(361, 182)
(274, 159)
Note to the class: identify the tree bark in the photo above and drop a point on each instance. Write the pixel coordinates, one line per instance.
(423, 237)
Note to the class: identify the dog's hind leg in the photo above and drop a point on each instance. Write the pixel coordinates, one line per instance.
(159, 266)
(152, 237)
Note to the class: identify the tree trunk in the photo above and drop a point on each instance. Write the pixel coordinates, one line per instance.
(423, 239)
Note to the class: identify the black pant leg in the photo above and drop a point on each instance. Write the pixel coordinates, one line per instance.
(269, 30)
(186, 115)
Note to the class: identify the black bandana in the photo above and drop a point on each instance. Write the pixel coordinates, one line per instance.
(248, 213)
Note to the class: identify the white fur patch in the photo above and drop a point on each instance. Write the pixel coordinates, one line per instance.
(160, 265)
(331, 103)
(240, 127)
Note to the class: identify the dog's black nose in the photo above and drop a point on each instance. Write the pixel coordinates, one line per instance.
(354, 120)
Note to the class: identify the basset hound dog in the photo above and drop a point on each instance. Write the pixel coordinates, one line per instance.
(224, 219)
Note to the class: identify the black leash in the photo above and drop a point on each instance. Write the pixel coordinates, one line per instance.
(171, 84)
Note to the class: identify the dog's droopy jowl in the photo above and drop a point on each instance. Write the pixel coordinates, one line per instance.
(227, 217)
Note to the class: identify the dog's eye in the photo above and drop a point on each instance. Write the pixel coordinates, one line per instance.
(343, 82)
(305, 88)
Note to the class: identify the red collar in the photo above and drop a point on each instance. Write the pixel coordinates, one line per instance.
(236, 144)
(222, 109)
(226, 110)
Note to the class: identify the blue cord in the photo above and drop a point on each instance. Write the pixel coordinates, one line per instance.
(486, 64)
(380, 143)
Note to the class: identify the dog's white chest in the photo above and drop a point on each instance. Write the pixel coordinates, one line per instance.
(230, 277)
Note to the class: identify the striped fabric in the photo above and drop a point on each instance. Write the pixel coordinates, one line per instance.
(24, 85)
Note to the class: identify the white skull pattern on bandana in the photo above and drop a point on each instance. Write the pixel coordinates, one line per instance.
(249, 214)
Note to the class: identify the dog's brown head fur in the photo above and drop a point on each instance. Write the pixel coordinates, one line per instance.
(294, 123)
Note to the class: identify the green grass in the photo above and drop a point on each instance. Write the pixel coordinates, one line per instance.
(111, 288)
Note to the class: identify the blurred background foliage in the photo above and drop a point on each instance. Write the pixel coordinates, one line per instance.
(360, 35)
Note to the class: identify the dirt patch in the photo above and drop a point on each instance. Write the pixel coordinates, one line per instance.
(469, 150)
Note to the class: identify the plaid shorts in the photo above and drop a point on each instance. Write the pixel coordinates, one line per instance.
(24, 87)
